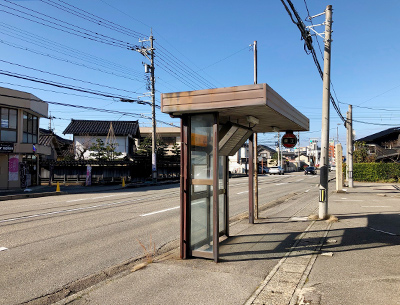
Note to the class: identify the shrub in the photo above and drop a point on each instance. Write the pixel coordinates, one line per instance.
(374, 172)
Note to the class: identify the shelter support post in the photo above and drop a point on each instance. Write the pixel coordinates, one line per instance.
(251, 179)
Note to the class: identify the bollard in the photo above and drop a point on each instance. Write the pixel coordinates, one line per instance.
(58, 187)
(123, 182)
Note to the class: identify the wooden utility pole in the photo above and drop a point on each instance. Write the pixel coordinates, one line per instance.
(324, 162)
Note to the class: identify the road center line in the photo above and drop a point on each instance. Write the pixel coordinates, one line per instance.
(376, 206)
(91, 198)
(166, 210)
(348, 200)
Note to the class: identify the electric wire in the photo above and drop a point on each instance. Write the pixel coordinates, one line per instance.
(71, 28)
(170, 60)
(75, 88)
(63, 76)
(89, 108)
(305, 35)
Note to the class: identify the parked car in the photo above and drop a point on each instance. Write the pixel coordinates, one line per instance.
(264, 170)
(276, 170)
(310, 170)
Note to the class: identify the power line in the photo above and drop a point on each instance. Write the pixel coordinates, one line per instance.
(175, 62)
(88, 108)
(63, 76)
(70, 30)
(75, 88)
(306, 36)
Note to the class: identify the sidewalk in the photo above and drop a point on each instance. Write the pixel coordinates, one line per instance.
(281, 259)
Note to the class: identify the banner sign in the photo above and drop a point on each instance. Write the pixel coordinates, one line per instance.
(13, 168)
(88, 175)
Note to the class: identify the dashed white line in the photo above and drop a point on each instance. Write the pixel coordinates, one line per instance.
(344, 199)
(3, 248)
(306, 191)
(376, 206)
(242, 192)
(166, 210)
(382, 231)
(281, 183)
(101, 197)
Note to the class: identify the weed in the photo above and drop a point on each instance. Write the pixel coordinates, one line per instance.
(149, 251)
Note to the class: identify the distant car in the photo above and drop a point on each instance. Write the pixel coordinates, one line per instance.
(264, 170)
(310, 170)
(276, 170)
(333, 168)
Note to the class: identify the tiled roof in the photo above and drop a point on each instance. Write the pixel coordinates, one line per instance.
(377, 137)
(46, 136)
(98, 128)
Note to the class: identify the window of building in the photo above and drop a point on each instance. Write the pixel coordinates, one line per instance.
(8, 126)
(30, 128)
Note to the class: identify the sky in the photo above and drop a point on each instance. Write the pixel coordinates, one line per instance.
(89, 45)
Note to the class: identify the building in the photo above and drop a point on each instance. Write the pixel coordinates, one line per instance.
(61, 149)
(123, 134)
(384, 145)
(19, 138)
(170, 136)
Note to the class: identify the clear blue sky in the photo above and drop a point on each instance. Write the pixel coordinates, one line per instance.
(205, 44)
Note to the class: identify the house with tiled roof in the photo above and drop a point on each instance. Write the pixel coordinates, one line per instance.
(124, 134)
(384, 145)
(61, 149)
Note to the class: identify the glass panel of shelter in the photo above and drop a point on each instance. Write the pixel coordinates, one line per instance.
(202, 210)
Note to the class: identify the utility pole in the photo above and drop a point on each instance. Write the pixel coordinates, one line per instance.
(324, 163)
(255, 143)
(349, 125)
(149, 54)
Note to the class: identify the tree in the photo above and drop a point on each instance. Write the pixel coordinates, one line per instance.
(360, 153)
(108, 152)
(82, 147)
(176, 150)
(145, 147)
(98, 150)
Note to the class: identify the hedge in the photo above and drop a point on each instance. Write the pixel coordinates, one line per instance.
(374, 172)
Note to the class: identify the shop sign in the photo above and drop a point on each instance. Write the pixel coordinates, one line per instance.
(7, 147)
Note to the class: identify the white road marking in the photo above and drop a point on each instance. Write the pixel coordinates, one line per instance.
(306, 191)
(382, 231)
(297, 218)
(344, 199)
(3, 248)
(281, 183)
(242, 192)
(376, 206)
(299, 180)
(90, 198)
(166, 210)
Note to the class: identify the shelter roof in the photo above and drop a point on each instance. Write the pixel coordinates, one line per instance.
(99, 128)
(237, 105)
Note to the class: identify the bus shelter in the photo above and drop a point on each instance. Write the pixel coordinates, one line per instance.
(215, 123)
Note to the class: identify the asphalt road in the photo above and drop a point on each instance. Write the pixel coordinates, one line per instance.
(48, 242)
